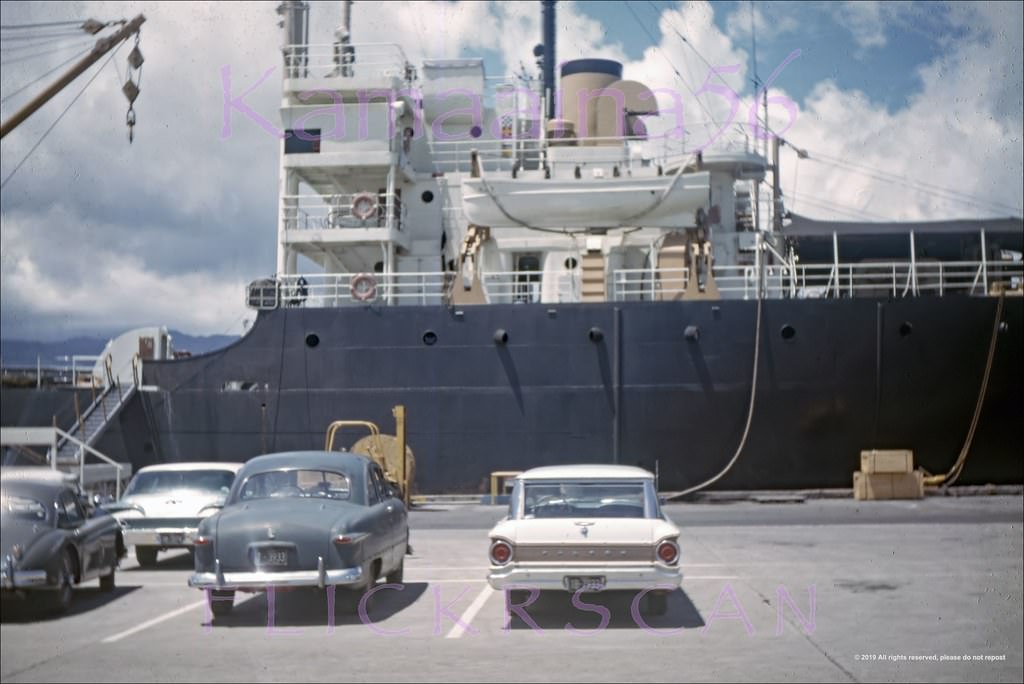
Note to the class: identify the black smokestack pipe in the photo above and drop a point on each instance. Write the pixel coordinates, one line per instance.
(549, 55)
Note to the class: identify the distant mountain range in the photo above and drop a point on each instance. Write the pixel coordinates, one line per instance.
(23, 353)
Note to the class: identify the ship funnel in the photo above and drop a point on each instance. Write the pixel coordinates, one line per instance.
(548, 66)
(295, 22)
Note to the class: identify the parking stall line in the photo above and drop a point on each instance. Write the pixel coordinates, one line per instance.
(460, 628)
(155, 621)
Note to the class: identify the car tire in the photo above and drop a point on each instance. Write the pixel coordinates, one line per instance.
(656, 603)
(396, 575)
(146, 555)
(107, 581)
(221, 601)
(61, 601)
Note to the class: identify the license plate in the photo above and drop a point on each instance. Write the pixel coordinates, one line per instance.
(172, 538)
(586, 583)
(272, 557)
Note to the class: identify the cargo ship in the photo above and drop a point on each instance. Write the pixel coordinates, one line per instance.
(552, 284)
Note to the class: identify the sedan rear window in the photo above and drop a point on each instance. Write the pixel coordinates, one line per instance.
(23, 508)
(298, 484)
(583, 499)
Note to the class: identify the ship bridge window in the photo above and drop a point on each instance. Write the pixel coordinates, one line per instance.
(302, 141)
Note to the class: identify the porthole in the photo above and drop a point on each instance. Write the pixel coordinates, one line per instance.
(312, 340)
(788, 332)
(430, 338)
(427, 197)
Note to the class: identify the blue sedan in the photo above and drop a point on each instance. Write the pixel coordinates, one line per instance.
(303, 519)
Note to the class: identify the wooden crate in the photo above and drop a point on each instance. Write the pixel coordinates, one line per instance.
(880, 486)
(886, 461)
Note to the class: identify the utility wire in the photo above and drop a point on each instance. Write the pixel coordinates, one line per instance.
(41, 139)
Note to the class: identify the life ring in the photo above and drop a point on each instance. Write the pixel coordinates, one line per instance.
(363, 287)
(364, 205)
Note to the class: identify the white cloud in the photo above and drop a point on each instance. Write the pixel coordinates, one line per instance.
(866, 21)
(737, 25)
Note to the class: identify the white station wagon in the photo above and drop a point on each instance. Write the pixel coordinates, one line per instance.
(590, 527)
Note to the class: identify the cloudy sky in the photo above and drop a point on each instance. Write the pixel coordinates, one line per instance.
(909, 111)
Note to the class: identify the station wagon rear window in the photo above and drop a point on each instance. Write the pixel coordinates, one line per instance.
(584, 499)
(298, 484)
(167, 480)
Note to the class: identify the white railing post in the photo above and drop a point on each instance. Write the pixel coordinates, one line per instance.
(984, 262)
(835, 259)
(913, 264)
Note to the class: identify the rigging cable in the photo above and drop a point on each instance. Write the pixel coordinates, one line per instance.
(954, 473)
(57, 121)
(47, 24)
(23, 58)
(920, 186)
(36, 80)
(670, 64)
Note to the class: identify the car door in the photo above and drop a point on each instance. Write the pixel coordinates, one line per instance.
(71, 517)
(396, 518)
(381, 521)
(94, 536)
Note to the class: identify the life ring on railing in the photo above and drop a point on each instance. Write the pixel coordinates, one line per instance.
(364, 205)
(363, 287)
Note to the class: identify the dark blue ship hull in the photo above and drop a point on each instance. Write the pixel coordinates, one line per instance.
(853, 374)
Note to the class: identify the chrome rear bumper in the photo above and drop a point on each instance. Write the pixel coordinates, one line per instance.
(320, 577)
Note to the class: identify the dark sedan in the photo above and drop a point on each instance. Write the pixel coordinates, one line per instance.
(303, 519)
(50, 541)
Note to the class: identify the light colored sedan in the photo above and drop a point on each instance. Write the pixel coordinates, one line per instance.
(586, 528)
(163, 505)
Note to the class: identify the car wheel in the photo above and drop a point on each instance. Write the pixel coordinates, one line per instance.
(656, 603)
(107, 581)
(221, 601)
(146, 555)
(396, 575)
(66, 580)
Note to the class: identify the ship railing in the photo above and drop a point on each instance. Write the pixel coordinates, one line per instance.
(359, 210)
(334, 60)
(629, 155)
(530, 287)
(321, 290)
(634, 284)
(891, 279)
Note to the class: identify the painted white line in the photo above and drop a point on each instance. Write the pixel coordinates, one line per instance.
(475, 580)
(709, 577)
(155, 621)
(470, 613)
(425, 568)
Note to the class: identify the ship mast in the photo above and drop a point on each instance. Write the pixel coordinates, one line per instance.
(102, 47)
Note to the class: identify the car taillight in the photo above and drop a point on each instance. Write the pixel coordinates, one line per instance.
(668, 552)
(501, 552)
(203, 541)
